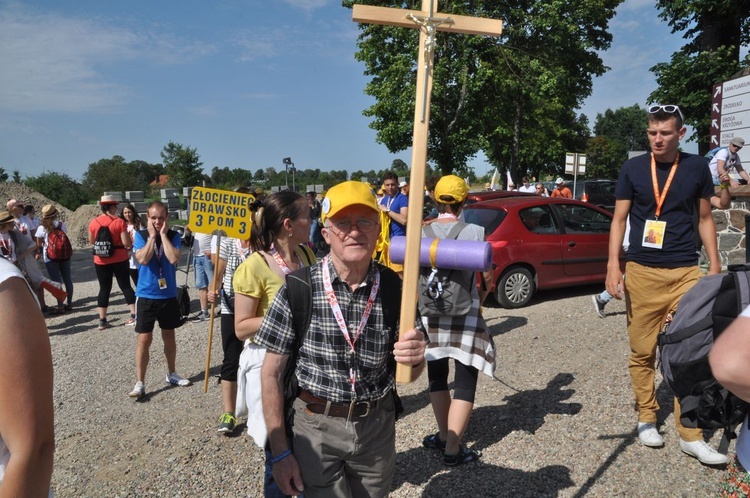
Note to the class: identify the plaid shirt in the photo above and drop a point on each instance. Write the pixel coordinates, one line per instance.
(324, 359)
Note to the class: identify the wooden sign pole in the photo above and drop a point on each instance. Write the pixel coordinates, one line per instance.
(428, 22)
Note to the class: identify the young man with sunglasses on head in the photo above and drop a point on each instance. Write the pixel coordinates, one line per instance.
(727, 159)
(661, 192)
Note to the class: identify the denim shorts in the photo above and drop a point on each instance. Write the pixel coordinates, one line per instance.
(204, 271)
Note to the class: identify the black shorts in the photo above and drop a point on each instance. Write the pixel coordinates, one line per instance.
(148, 311)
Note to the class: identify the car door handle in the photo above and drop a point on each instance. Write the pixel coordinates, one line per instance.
(571, 243)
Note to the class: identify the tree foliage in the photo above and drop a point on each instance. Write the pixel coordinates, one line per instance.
(116, 174)
(59, 187)
(604, 156)
(512, 97)
(16, 176)
(182, 165)
(3, 175)
(229, 179)
(715, 30)
(626, 125)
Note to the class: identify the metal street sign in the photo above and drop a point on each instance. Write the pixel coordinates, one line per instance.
(730, 111)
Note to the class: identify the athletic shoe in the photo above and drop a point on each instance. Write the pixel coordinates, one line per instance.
(227, 423)
(433, 441)
(465, 455)
(200, 317)
(131, 320)
(138, 391)
(649, 436)
(703, 452)
(176, 380)
(598, 305)
(103, 324)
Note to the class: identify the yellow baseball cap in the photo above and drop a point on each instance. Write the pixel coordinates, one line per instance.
(451, 189)
(347, 194)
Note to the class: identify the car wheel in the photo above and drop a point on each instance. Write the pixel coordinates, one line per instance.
(515, 288)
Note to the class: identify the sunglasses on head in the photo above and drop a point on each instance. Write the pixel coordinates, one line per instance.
(669, 109)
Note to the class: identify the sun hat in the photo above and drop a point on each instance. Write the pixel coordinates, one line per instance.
(345, 194)
(451, 189)
(49, 211)
(108, 199)
(6, 217)
(403, 184)
(737, 142)
(559, 181)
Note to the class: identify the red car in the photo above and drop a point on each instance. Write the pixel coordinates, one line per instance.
(542, 243)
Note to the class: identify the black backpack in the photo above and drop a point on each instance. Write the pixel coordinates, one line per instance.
(104, 247)
(299, 291)
(444, 292)
(704, 312)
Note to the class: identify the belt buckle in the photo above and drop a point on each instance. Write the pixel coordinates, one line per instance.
(367, 405)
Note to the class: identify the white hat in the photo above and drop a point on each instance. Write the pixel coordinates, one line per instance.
(403, 184)
(108, 199)
(559, 181)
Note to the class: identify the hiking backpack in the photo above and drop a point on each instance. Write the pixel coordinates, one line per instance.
(104, 247)
(704, 312)
(300, 298)
(444, 292)
(59, 249)
(711, 153)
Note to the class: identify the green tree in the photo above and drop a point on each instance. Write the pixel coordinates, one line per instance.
(512, 97)
(16, 176)
(108, 174)
(604, 156)
(183, 165)
(259, 176)
(626, 125)
(3, 175)
(715, 30)
(59, 187)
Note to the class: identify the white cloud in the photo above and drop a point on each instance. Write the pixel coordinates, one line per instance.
(56, 63)
(307, 5)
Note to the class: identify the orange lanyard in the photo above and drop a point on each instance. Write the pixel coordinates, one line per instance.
(660, 197)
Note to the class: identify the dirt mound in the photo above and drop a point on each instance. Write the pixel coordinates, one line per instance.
(77, 221)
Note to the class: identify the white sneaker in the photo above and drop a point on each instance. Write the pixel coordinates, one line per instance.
(703, 452)
(176, 380)
(139, 390)
(649, 436)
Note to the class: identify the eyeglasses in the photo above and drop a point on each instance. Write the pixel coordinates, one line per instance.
(363, 225)
(736, 147)
(669, 109)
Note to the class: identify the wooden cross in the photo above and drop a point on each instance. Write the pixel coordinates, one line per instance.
(428, 22)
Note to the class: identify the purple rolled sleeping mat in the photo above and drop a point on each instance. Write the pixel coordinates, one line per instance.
(450, 254)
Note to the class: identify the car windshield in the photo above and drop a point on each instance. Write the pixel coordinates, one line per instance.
(490, 219)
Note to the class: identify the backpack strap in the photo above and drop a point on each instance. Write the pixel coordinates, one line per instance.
(307, 252)
(299, 297)
(456, 230)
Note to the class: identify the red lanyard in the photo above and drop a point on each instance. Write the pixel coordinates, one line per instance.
(660, 197)
(336, 309)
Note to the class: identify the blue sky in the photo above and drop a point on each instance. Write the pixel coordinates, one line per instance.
(246, 82)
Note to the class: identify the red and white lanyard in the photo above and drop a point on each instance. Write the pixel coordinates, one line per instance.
(336, 309)
(280, 260)
(242, 252)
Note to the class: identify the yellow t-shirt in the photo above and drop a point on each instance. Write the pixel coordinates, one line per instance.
(256, 279)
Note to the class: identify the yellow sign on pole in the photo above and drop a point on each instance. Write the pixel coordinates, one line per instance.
(213, 209)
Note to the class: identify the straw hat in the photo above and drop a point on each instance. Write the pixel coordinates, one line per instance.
(49, 211)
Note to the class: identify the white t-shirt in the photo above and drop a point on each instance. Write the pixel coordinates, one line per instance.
(530, 189)
(731, 161)
(201, 243)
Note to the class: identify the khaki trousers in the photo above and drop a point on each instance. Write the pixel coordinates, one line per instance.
(650, 294)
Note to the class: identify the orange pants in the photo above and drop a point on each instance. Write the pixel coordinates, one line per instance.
(650, 294)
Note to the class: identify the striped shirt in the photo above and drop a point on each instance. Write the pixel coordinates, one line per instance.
(231, 251)
(324, 358)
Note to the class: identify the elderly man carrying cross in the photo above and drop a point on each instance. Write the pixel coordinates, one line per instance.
(344, 366)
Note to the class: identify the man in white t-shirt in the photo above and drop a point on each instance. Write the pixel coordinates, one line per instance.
(204, 272)
(527, 186)
(727, 159)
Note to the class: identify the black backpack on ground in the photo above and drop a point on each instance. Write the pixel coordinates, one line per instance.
(104, 246)
(703, 313)
(299, 290)
(444, 292)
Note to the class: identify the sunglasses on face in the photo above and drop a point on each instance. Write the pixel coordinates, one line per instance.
(669, 109)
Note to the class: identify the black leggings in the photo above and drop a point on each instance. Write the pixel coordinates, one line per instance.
(134, 276)
(232, 348)
(104, 273)
(465, 382)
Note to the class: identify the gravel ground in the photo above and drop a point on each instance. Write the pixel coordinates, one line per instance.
(557, 420)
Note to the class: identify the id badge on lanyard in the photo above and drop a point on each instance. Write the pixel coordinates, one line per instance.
(655, 230)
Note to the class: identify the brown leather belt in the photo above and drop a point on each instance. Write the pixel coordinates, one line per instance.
(341, 410)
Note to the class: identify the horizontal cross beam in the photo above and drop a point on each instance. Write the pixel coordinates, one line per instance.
(400, 17)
